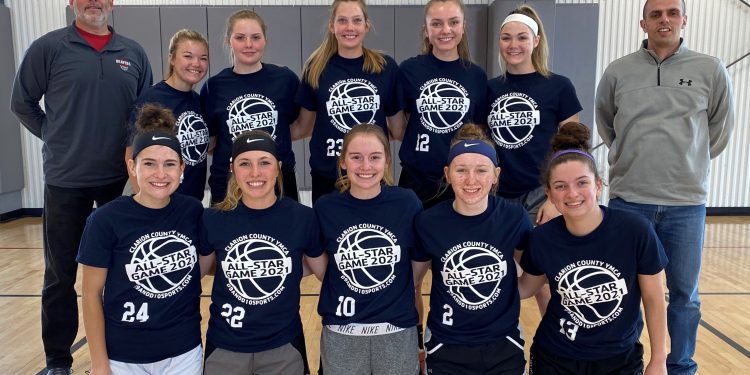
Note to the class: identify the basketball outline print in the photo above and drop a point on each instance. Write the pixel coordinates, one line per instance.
(348, 89)
(457, 261)
(504, 135)
(442, 121)
(376, 275)
(157, 248)
(240, 107)
(192, 126)
(257, 289)
(585, 312)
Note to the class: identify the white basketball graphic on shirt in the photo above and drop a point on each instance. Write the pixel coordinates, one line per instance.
(367, 257)
(161, 262)
(591, 294)
(352, 102)
(472, 274)
(512, 119)
(252, 111)
(442, 105)
(193, 135)
(256, 269)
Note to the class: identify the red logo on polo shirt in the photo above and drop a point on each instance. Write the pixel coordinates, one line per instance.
(123, 63)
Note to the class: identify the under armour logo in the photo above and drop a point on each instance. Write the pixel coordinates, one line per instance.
(684, 82)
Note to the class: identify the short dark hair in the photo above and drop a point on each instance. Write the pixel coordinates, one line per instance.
(684, 8)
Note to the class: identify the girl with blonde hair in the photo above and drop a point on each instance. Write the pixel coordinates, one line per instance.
(344, 84)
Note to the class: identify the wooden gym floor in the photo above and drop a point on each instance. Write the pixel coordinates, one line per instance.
(723, 336)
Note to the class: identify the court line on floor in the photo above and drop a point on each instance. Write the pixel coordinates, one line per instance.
(725, 338)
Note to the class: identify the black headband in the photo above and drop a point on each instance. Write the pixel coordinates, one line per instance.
(155, 138)
(254, 142)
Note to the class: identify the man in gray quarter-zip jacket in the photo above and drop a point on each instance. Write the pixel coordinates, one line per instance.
(665, 111)
(89, 77)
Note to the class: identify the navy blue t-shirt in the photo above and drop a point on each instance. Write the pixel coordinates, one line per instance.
(256, 292)
(152, 291)
(524, 113)
(474, 297)
(191, 131)
(370, 245)
(346, 96)
(439, 96)
(595, 305)
(234, 103)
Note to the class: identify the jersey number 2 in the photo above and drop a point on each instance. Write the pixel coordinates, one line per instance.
(448, 315)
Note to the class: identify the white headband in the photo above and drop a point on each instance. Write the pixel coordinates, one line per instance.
(524, 19)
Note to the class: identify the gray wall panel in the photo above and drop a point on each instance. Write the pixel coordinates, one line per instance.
(314, 23)
(577, 50)
(219, 57)
(476, 24)
(174, 19)
(408, 31)
(11, 160)
(142, 25)
(382, 34)
(284, 39)
(10, 202)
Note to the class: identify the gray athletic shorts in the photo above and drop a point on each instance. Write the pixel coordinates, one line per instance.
(392, 353)
(285, 359)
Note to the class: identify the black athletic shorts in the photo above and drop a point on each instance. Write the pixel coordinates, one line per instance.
(628, 363)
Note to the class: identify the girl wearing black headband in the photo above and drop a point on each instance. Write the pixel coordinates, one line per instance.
(141, 278)
(470, 243)
(259, 240)
(601, 264)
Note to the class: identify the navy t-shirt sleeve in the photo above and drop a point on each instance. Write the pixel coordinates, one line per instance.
(208, 116)
(204, 246)
(524, 231)
(402, 84)
(315, 245)
(97, 243)
(415, 212)
(480, 111)
(306, 98)
(420, 253)
(651, 256)
(528, 263)
(393, 104)
(568, 100)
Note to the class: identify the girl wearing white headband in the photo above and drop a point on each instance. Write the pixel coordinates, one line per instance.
(527, 103)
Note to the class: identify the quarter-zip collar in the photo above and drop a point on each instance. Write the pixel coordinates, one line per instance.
(655, 57)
